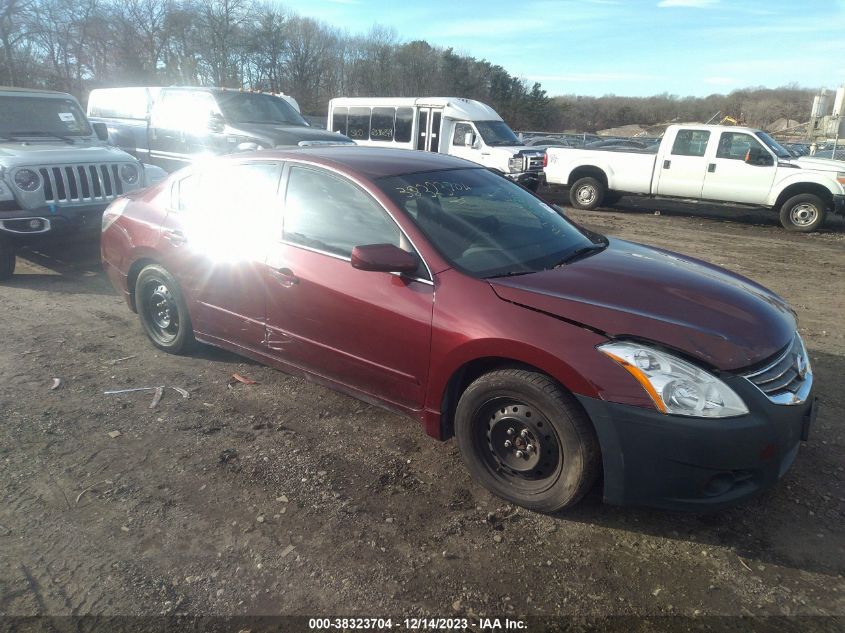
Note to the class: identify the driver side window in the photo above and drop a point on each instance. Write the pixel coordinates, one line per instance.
(735, 145)
(461, 130)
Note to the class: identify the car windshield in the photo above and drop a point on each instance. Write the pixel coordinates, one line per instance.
(486, 225)
(246, 107)
(41, 117)
(779, 150)
(496, 133)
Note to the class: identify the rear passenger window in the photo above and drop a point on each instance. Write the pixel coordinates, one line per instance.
(186, 193)
(359, 124)
(231, 208)
(333, 215)
(404, 123)
(690, 143)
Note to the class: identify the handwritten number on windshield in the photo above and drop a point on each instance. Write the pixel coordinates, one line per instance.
(433, 188)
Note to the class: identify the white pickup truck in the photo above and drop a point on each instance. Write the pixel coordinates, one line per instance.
(729, 165)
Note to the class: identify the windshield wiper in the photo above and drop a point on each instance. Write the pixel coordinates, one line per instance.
(66, 139)
(512, 273)
(578, 253)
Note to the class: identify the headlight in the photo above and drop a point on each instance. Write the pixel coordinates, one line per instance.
(113, 212)
(676, 386)
(27, 180)
(515, 163)
(129, 173)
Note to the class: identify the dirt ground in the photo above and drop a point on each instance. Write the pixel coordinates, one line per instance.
(285, 498)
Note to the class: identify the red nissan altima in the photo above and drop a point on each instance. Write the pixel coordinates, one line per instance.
(454, 296)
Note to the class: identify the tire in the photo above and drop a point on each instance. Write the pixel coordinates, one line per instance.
(7, 258)
(523, 408)
(587, 193)
(611, 198)
(163, 311)
(804, 213)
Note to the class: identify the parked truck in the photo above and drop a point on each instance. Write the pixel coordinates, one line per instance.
(448, 125)
(738, 166)
(171, 127)
(57, 173)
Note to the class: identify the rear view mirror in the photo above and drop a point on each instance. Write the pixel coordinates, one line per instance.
(385, 258)
(101, 130)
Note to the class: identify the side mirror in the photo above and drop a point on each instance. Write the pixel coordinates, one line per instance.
(385, 258)
(469, 139)
(757, 156)
(101, 130)
(476, 142)
(216, 122)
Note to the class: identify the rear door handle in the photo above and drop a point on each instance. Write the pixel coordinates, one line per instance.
(667, 164)
(711, 167)
(175, 237)
(285, 277)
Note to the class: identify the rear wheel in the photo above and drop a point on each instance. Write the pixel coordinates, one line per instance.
(805, 213)
(527, 440)
(7, 258)
(163, 311)
(587, 193)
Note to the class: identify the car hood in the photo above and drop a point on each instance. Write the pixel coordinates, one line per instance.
(43, 153)
(819, 164)
(630, 290)
(288, 135)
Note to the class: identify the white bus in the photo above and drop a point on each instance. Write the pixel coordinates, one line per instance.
(449, 125)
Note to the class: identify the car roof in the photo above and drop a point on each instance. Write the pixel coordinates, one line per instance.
(370, 162)
(34, 91)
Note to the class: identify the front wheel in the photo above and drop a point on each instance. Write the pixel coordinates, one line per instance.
(587, 193)
(805, 213)
(7, 258)
(163, 311)
(527, 440)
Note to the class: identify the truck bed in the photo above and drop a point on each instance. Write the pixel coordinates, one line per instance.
(628, 169)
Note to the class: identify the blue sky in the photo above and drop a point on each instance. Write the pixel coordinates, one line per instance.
(624, 47)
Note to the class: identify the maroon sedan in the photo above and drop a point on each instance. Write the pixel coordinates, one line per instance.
(452, 295)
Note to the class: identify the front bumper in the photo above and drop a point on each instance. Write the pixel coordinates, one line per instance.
(839, 204)
(32, 224)
(528, 179)
(697, 464)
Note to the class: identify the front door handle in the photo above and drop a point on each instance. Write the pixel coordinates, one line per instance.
(175, 237)
(667, 164)
(285, 277)
(711, 168)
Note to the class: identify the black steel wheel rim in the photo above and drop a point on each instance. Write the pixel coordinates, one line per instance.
(161, 311)
(517, 444)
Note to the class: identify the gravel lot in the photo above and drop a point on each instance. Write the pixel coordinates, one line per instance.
(285, 498)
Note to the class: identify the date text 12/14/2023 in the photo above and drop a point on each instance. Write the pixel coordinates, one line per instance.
(416, 624)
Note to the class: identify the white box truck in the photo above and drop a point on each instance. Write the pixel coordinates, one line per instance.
(448, 125)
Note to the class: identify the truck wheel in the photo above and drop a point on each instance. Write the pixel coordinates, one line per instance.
(163, 311)
(7, 258)
(805, 213)
(586, 193)
(527, 440)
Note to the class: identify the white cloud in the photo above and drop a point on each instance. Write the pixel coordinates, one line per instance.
(695, 4)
